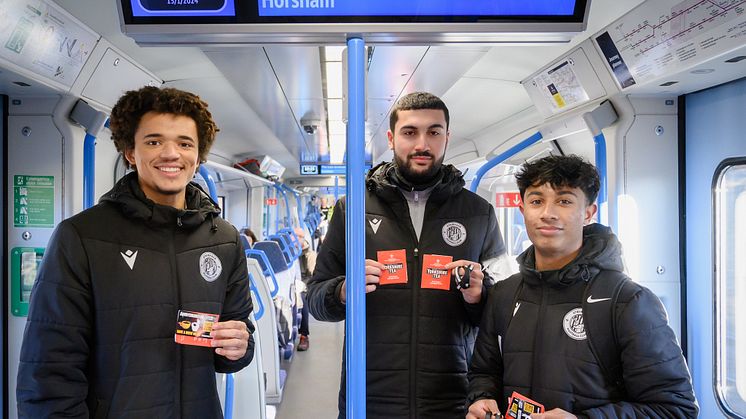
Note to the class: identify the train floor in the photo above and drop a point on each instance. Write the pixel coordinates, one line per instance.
(312, 385)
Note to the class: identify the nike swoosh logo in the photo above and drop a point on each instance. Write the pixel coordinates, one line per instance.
(129, 257)
(592, 300)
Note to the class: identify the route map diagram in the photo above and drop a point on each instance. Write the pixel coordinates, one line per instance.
(663, 36)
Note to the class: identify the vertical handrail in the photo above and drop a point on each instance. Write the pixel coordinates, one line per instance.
(512, 151)
(210, 183)
(355, 231)
(280, 188)
(336, 188)
(600, 149)
(229, 389)
(89, 170)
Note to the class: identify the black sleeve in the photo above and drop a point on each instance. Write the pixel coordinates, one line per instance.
(492, 247)
(54, 355)
(328, 277)
(655, 373)
(493, 239)
(485, 373)
(237, 306)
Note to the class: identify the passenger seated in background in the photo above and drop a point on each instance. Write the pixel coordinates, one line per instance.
(307, 264)
(249, 236)
(119, 281)
(533, 338)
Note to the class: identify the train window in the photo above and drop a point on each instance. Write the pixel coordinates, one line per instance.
(730, 284)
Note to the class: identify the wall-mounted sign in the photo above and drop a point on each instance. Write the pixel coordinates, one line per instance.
(33, 201)
(270, 201)
(508, 199)
(309, 169)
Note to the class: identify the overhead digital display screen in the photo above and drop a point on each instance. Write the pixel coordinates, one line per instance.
(352, 11)
(329, 22)
(416, 8)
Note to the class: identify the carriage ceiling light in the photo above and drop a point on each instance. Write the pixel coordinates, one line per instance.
(333, 81)
(702, 71)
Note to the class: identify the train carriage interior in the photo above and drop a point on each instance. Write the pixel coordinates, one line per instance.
(650, 91)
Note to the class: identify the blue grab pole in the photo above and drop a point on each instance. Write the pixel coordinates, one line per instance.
(336, 188)
(281, 189)
(89, 170)
(210, 183)
(355, 230)
(229, 384)
(600, 148)
(512, 151)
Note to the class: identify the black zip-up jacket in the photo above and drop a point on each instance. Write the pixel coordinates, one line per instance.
(541, 360)
(99, 341)
(419, 341)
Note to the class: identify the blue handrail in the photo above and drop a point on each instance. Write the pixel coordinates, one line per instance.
(89, 170)
(263, 257)
(210, 183)
(255, 290)
(600, 149)
(355, 231)
(229, 389)
(512, 151)
(280, 189)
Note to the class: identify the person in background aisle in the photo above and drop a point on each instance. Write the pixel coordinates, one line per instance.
(123, 283)
(307, 264)
(535, 338)
(248, 238)
(420, 224)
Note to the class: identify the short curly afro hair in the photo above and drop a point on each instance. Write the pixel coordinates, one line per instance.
(127, 113)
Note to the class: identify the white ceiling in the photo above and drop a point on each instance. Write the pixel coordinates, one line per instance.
(259, 94)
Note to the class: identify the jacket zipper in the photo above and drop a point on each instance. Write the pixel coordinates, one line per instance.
(538, 341)
(415, 321)
(177, 306)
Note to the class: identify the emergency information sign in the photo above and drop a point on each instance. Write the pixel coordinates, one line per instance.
(508, 199)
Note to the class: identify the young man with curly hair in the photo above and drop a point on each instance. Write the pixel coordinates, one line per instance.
(117, 279)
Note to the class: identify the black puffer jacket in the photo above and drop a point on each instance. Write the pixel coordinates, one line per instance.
(419, 340)
(540, 359)
(99, 341)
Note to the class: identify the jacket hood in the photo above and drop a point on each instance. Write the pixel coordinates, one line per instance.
(601, 251)
(131, 200)
(382, 180)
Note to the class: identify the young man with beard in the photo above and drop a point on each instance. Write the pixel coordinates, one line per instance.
(535, 338)
(120, 280)
(420, 224)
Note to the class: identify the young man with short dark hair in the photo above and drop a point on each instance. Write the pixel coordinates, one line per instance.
(534, 339)
(420, 224)
(122, 282)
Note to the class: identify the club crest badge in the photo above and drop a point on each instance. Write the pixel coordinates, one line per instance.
(210, 266)
(574, 325)
(454, 233)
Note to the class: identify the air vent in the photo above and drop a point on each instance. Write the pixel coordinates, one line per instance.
(668, 83)
(736, 59)
(22, 84)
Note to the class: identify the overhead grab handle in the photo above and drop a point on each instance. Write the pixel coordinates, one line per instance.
(598, 119)
(93, 121)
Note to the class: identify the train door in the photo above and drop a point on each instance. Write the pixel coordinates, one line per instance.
(715, 161)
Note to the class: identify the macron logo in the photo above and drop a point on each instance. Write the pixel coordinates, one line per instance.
(374, 224)
(129, 257)
(517, 306)
(592, 300)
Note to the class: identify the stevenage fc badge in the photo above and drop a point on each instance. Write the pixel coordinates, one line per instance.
(454, 233)
(210, 266)
(574, 325)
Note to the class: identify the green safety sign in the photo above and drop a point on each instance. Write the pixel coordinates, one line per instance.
(33, 201)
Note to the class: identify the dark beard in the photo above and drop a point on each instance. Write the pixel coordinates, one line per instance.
(418, 178)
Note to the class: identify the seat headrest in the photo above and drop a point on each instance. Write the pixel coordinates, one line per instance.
(274, 254)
